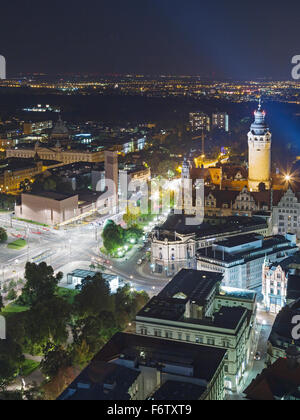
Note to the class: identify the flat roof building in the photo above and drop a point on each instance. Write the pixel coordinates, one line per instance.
(194, 308)
(240, 259)
(133, 367)
(174, 244)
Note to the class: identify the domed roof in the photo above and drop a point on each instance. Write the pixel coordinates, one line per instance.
(259, 127)
(60, 129)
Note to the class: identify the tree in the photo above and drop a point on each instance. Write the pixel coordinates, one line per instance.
(3, 235)
(113, 237)
(41, 284)
(88, 331)
(47, 322)
(12, 295)
(25, 186)
(81, 353)
(1, 303)
(132, 215)
(94, 297)
(90, 334)
(166, 168)
(55, 358)
(133, 233)
(7, 202)
(11, 359)
(128, 303)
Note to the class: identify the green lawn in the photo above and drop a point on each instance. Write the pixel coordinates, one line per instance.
(13, 309)
(29, 366)
(17, 245)
(31, 222)
(67, 294)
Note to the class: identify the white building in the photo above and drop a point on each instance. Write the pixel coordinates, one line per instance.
(286, 215)
(259, 143)
(174, 244)
(240, 259)
(193, 308)
(274, 286)
(280, 283)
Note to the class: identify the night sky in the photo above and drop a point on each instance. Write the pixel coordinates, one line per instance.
(218, 39)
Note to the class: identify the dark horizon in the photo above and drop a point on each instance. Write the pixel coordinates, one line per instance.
(213, 40)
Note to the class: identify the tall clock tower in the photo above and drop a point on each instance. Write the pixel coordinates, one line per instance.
(259, 141)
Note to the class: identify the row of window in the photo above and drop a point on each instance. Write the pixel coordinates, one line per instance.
(185, 337)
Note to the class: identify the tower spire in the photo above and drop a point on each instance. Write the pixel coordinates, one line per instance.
(260, 104)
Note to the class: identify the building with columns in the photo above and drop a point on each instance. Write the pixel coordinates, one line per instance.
(174, 244)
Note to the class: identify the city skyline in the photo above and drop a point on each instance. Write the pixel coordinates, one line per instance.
(149, 203)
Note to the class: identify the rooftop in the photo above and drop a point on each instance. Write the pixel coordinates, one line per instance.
(101, 381)
(191, 285)
(194, 287)
(277, 382)
(51, 195)
(269, 246)
(16, 164)
(240, 240)
(154, 351)
(281, 333)
(177, 224)
(179, 391)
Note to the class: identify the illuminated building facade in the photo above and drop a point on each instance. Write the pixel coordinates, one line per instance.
(57, 153)
(14, 171)
(36, 127)
(220, 120)
(286, 215)
(199, 121)
(259, 141)
(240, 258)
(174, 244)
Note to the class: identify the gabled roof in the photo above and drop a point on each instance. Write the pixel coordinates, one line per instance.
(230, 172)
(223, 197)
(276, 382)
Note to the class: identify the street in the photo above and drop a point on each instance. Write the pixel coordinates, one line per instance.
(80, 244)
(265, 322)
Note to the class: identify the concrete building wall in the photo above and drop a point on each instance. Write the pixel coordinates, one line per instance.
(46, 210)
